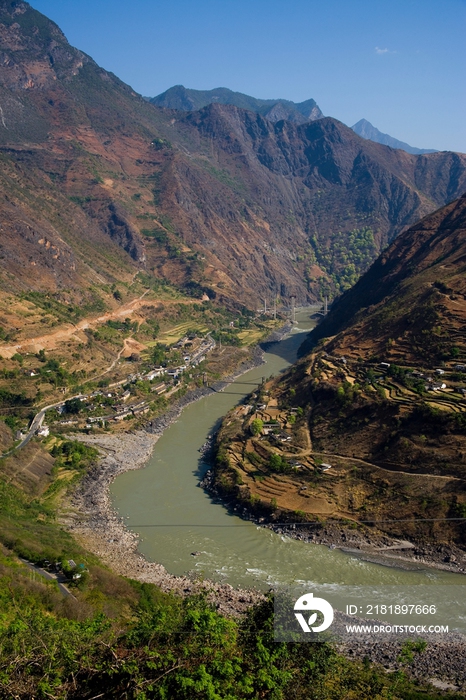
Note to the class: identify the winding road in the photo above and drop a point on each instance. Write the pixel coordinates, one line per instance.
(58, 578)
(60, 335)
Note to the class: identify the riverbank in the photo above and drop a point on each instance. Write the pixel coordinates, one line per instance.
(90, 516)
(93, 521)
(441, 663)
(361, 541)
(379, 548)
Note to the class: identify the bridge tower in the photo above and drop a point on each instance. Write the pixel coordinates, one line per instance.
(293, 308)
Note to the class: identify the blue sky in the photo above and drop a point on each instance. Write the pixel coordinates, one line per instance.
(401, 64)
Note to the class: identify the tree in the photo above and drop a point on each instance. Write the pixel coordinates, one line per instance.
(256, 426)
(158, 354)
(276, 462)
(73, 406)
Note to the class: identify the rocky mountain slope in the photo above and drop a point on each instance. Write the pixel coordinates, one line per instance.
(318, 201)
(411, 303)
(185, 99)
(369, 427)
(98, 184)
(368, 131)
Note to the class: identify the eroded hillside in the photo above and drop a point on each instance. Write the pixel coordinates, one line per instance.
(369, 428)
(98, 184)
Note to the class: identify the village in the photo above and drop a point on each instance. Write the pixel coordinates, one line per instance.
(276, 460)
(122, 400)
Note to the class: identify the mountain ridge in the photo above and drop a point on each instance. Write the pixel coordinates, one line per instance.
(220, 201)
(186, 99)
(422, 269)
(366, 130)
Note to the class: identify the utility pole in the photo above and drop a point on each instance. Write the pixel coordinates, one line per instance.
(275, 309)
(293, 308)
(265, 306)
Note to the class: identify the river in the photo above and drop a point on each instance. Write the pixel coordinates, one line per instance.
(175, 518)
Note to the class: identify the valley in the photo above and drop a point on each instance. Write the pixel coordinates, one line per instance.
(367, 430)
(173, 440)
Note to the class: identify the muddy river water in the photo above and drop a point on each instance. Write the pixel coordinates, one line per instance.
(175, 518)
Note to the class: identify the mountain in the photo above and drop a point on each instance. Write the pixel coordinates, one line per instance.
(365, 129)
(410, 303)
(187, 100)
(67, 131)
(299, 207)
(97, 185)
(389, 383)
(370, 423)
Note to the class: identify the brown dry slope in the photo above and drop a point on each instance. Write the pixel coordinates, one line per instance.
(412, 301)
(384, 400)
(292, 204)
(97, 184)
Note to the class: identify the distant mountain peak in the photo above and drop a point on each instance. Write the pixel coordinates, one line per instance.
(367, 131)
(187, 100)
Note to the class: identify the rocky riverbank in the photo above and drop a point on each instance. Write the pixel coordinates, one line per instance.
(378, 547)
(91, 518)
(364, 542)
(93, 521)
(441, 662)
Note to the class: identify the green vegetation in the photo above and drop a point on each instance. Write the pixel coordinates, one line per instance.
(344, 257)
(277, 463)
(72, 454)
(5, 335)
(54, 373)
(28, 528)
(156, 234)
(73, 406)
(347, 393)
(165, 647)
(9, 399)
(158, 354)
(256, 426)
(227, 337)
(55, 305)
(159, 143)
(194, 289)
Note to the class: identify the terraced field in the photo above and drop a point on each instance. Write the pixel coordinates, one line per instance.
(356, 441)
(174, 334)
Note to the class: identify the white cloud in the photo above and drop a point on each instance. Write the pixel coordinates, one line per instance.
(380, 51)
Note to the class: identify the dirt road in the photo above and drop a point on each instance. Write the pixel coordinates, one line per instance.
(67, 331)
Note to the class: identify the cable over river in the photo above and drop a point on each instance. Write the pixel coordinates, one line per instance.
(181, 527)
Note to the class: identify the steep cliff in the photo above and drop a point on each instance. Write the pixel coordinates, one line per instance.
(220, 200)
(412, 301)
